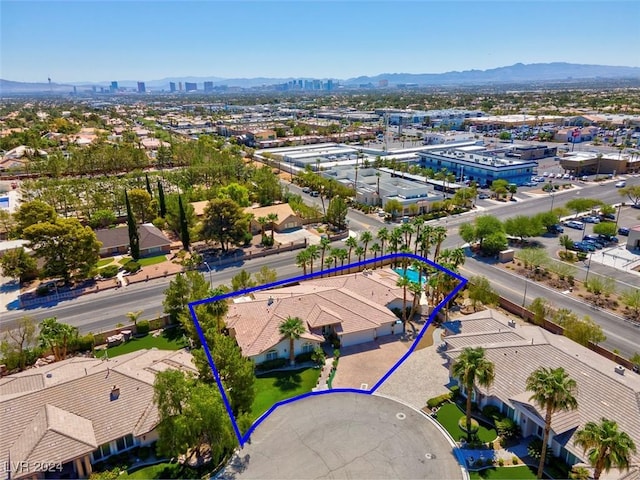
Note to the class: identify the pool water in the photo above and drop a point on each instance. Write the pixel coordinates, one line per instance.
(412, 275)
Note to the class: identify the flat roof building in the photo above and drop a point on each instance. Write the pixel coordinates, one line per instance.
(478, 167)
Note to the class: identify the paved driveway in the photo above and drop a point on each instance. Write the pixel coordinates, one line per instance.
(345, 435)
(361, 366)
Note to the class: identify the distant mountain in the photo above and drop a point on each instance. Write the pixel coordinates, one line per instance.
(514, 74)
(518, 73)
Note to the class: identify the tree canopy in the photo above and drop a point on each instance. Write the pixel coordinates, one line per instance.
(224, 222)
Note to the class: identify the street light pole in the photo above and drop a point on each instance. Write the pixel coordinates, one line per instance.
(210, 277)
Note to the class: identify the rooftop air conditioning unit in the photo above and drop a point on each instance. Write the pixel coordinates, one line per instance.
(619, 369)
(512, 323)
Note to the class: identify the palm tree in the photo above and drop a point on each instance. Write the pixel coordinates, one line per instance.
(359, 251)
(553, 390)
(418, 225)
(426, 240)
(324, 244)
(292, 328)
(375, 249)
(340, 254)
(403, 282)
(608, 447)
(469, 368)
(302, 260)
(314, 253)
(263, 223)
(273, 218)
(352, 243)
(134, 316)
(439, 236)
(366, 237)
(407, 231)
(382, 236)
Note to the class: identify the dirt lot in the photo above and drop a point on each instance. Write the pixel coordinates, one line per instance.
(368, 362)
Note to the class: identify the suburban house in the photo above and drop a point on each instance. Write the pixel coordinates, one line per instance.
(115, 241)
(287, 219)
(74, 413)
(355, 308)
(604, 389)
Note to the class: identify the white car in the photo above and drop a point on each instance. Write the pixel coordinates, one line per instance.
(566, 176)
(621, 184)
(545, 174)
(558, 175)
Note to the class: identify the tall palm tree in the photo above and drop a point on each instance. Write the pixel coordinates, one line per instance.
(360, 251)
(375, 249)
(366, 237)
(340, 254)
(303, 259)
(407, 231)
(395, 239)
(314, 254)
(473, 367)
(324, 244)
(418, 225)
(382, 236)
(351, 242)
(439, 236)
(404, 282)
(426, 241)
(292, 328)
(608, 447)
(273, 218)
(263, 223)
(553, 390)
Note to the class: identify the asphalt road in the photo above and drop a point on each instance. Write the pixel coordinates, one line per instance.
(103, 310)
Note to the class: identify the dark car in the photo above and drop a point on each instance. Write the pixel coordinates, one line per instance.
(595, 243)
(607, 239)
(623, 231)
(608, 216)
(555, 228)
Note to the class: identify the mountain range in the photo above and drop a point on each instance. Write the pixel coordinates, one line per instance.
(513, 74)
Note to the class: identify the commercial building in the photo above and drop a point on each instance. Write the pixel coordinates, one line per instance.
(479, 167)
(172, 87)
(208, 86)
(590, 163)
(190, 87)
(141, 87)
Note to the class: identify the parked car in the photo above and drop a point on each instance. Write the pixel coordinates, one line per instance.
(530, 184)
(483, 196)
(585, 246)
(621, 184)
(591, 219)
(555, 228)
(566, 176)
(623, 231)
(608, 216)
(545, 174)
(585, 178)
(607, 239)
(574, 224)
(595, 243)
(306, 190)
(315, 193)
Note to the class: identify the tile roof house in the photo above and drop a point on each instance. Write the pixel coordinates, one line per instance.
(356, 308)
(604, 389)
(287, 219)
(115, 241)
(74, 413)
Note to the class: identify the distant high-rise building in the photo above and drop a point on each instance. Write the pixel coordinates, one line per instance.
(329, 85)
(179, 86)
(190, 87)
(141, 87)
(114, 86)
(208, 86)
(172, 87)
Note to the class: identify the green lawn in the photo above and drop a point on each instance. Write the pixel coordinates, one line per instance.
(273, 387)
(104, 262)
(171, 339)
(146, 261)
(448, 416)
(504, 473)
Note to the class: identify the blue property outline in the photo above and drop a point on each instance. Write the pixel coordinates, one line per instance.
(242, 439)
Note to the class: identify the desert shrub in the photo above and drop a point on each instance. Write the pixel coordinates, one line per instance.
(267, 241)
(84, 343)
(109, 271)
(515, 460)
(142, 327)
(131, 266)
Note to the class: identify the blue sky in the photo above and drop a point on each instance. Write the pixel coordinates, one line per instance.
(149, 40)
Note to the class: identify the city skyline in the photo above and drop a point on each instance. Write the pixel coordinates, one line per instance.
(97, 41)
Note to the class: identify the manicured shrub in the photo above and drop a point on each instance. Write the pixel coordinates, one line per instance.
(109, 271)
(507, 428)
(501, 462)
(455, 392)
(271, 364)
(491, 412)
(131, 266)
(304, 357)
(439, 400)
(142, 327)
(84, 343)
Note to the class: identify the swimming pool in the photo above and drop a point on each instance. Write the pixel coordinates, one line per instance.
(411, 274)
